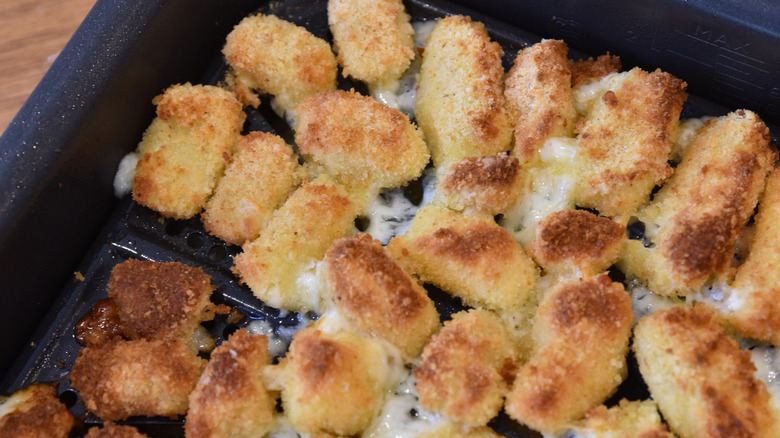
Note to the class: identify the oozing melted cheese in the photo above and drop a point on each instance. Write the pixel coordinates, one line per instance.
(645, 302)
(125, 174)
(585, 94)
(402, 415)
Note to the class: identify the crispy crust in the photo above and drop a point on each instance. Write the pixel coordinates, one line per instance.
(359, 141)
(185, 149)
(34, 411)
(127, 378)
(100, 325)
(113, 430)
(469, 257)
(628, 419)
(321, 211)
(377, 295)
(332, 382)
(460, 101)
(160, 300)
(582, 334)
(625, 141)
(589, 69)
(230, 399)
(373, 39)
(577, 238)
(261, 175)
(703, 383)
(539, 97)
(465, 367)
(486, 185)
(279, 58)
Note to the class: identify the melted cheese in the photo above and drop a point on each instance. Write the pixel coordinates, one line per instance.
(585, 94)
(767, 362)
(279, 338)
(720, 296)
(402, 416)
(125, 174)
(645, 302)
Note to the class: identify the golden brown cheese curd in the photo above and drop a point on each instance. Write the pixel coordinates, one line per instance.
(487, 185)
(571, 239)
(467, 256)
(376, 295)
(113, 430)
(298, 235)
(625, 141)
(465, 368)
(703, 383)
(628, 419)
(160, 300)
(230, 399)
(184, 150)
(453, 430)
(581, 335)
(261, 175)
(586, 70)
(704, 207)
(460, 101)
(34, 411)
(374, 40)
(539, 97)
(757, 282)
(129, 378)
(333, 382)
(358, 141)
(279, 58)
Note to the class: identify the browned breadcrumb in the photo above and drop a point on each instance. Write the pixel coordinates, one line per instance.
(486, 185)
(100, 325)
(585, 70)
(184, 150)
(230, 399)
(261, 175)
(277, 57)
(34, 412)
(377, 295)
(581, 332)
(703, 383)
(465, 368)
(627, 419)
(128, 378)
(113, 430)
(160, 300)
(539, 97)
(373, 39)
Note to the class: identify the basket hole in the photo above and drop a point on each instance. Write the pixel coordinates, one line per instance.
(195, 241)
(218, 253)
(174, 228)
(69, 398)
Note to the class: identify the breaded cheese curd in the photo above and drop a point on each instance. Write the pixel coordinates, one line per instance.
(295, 239)
(277, 57)
(184, 150)
(35, 411)
(360, 142)
(261, 174)
(627, 419)
(586, 70)
(230, 399)
(333, 382)
(694, 220)
(569, 240)
(465, 368)
(467, 256)
(113, 430)
(376, 295)
(460, 100)
(539, 97)
(487, 185)
(454, 430)
(128, 378)
(626, 139)
(703, 383)
(581, 338)
(373, 39)
(160, 300)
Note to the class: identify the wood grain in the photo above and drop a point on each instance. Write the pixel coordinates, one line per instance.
(32, 34)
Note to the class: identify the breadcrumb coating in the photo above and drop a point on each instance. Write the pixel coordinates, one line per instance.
(374, 39)
(454, 430)
(465, 368)
(539, 97)
(277, 57)
(469, 257)
(703, 383)
(33, 412)
(628, 419)
(581, 334)
(139, 377)
(586, 70)
(487, 185)
(297, 236)
(230, 399)
(262, 173)
(367, 286)
(460, 100)
(184, 150)
(113, 430)
(625, 141)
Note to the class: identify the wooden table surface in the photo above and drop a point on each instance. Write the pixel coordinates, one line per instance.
(32, 33)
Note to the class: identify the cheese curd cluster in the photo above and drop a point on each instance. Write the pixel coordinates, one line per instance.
(543, 175)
